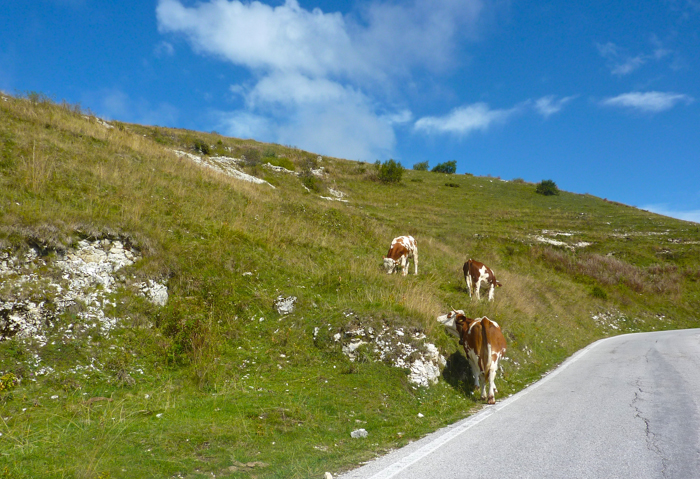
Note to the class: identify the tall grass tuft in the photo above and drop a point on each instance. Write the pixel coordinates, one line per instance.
(38, 168)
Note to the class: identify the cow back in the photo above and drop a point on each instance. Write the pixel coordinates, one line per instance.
(493, 334)
(396, 251)
(484, 338)
(472, 268)
(401, 246)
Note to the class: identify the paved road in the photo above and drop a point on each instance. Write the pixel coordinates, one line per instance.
(624, 407)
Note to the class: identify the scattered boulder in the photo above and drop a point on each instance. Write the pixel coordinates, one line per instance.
(285, 305)
(155, 292)
(359, 433)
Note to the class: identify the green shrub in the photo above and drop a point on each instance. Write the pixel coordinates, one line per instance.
(201, 146)
(446, 167)
(598, 292)
(311, 182)
(518, 181)
(269, 153)
(422, 166)
(389, 172)
(547, 188)
(251, 157)
(452, 185)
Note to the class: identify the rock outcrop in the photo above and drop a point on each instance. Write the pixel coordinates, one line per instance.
(37, 290)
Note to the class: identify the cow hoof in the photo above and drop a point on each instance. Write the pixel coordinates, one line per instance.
(492, 400)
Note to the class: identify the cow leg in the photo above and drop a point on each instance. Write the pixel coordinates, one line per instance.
(491, 289)
(478, 289)
(415, 262)
(490, 377)
(404, 265)
(468, 279)
(476, 370)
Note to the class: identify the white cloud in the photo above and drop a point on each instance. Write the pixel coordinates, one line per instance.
(663, 209)
(549, 105)
(323, 76)
(294, 89)
(346, 129)
(621, 63)
(322, 115)
(388, 38)
(262, 37)
(651, 102)
(465, 119)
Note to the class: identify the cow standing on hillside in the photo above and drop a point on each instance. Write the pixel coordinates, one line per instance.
(476, 273)
(484, 345)
(402, 249)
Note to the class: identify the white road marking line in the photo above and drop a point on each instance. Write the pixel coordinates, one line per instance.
(432, 446)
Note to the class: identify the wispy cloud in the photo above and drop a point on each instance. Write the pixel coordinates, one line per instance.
(399, 118)
(549, 105)
(465, 119)
(650, 102)
(319, 73)
(479, 116)
(622, 63)
(665, 210)
(164, 49)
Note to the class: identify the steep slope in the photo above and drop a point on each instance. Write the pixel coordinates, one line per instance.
(115, 381)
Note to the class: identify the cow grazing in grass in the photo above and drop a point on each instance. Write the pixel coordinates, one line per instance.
(402, 249)
(484, 345)
(476, 273)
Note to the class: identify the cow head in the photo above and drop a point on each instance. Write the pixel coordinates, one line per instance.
(451, 321)
(389, 265)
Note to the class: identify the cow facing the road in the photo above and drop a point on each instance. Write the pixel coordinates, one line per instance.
(402, 249)
(476, 273)
(484, 345)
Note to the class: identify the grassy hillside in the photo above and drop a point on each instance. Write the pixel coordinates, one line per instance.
(217, 382)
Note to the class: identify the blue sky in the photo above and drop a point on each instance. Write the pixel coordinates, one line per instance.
(601, 97)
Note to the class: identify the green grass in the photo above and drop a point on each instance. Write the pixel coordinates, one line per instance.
(213, 386)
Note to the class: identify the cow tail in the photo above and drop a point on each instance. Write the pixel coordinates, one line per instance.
(486, 347)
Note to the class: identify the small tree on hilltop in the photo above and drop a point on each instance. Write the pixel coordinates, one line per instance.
(389, 172)
(422, 166)
(547, 188)
(449, 167)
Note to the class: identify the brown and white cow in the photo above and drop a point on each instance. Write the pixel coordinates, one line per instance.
(484, 345)
(476, 273)
(402, 249)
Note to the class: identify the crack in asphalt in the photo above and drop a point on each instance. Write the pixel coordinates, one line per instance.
(650, 436)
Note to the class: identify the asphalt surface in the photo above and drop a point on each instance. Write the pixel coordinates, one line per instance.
(624, 407)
